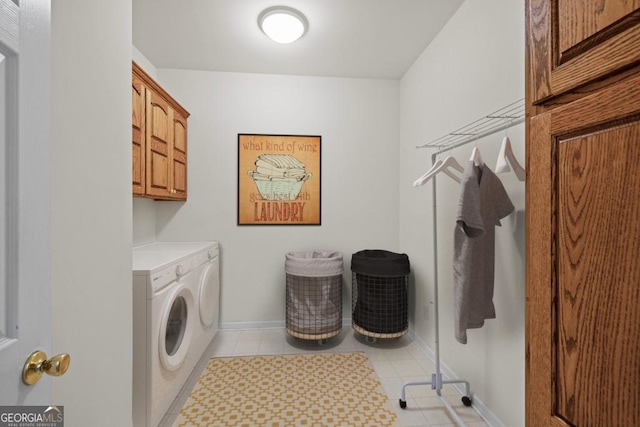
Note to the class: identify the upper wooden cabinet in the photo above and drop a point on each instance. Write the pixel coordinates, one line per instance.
(159, 141)
(575, 43)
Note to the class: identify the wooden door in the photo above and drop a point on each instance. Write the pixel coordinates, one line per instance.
(583, 271)
(583, 205)
(158, 132)
(138, 136)
(179, 157)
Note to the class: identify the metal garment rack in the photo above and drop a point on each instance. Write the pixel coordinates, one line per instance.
(497, 121)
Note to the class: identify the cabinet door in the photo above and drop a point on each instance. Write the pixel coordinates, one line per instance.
(138, 137)
(158, 143)
(583, 267)
(572, 43)
(179, 157)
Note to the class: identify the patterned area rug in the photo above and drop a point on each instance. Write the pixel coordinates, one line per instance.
(323, 389)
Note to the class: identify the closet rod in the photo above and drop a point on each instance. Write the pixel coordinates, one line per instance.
(502, 119)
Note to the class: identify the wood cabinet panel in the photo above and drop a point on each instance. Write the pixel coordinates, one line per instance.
(579, 21)
(138, 136)
(179, 155)
(179, 133)
(158, 175)
(583, 241)
(598, 321)
(159, 141)
(572, 44)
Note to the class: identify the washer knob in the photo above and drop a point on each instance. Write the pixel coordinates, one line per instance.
(180, 270)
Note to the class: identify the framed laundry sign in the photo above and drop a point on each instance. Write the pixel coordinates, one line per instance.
(279, 179)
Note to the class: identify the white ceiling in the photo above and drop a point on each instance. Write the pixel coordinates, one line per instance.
(346, 38)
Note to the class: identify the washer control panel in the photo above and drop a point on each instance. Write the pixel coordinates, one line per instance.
(170, 274)
(213, 252)
(206, 256)
(164, 263)
(179, 270)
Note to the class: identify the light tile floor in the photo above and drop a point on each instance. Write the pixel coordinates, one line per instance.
(395, 361)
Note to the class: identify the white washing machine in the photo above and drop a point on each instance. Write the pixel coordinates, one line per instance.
(176, 298)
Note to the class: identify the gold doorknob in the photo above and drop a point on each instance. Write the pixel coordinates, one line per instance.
(37, 364)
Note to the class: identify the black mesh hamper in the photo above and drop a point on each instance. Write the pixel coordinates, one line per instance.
(314, 294)
(379, 301)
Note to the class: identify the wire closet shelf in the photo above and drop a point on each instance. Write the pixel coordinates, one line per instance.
(497, 121)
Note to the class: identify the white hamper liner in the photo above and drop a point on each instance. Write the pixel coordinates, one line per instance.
(314, 294)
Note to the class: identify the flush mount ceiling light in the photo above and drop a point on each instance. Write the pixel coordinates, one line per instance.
(283, 24)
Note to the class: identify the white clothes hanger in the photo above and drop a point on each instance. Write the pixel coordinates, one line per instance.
(475, 157)
(441, 166)
(506, 158)
(475, 154)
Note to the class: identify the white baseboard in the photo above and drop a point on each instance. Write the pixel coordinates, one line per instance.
(243, 326)
(275, 324)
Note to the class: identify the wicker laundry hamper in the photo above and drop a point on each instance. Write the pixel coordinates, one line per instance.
(379, 293)
(314, 294)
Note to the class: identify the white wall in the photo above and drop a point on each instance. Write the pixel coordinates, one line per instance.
(474, 67)
(144, 221)
(359, 124)
(91, 128)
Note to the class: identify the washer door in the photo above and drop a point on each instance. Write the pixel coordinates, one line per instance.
(176, 328)
(209, 302)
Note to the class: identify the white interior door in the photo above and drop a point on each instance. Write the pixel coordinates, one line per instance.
(25, 197)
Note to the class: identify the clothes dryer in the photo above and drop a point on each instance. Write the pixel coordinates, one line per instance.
(208, 299)
(168, 339)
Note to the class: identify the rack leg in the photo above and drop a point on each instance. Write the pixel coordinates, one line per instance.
(436, 384)
(403, 398)
(466, 399)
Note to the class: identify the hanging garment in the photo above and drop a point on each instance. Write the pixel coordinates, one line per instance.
(482, 204)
